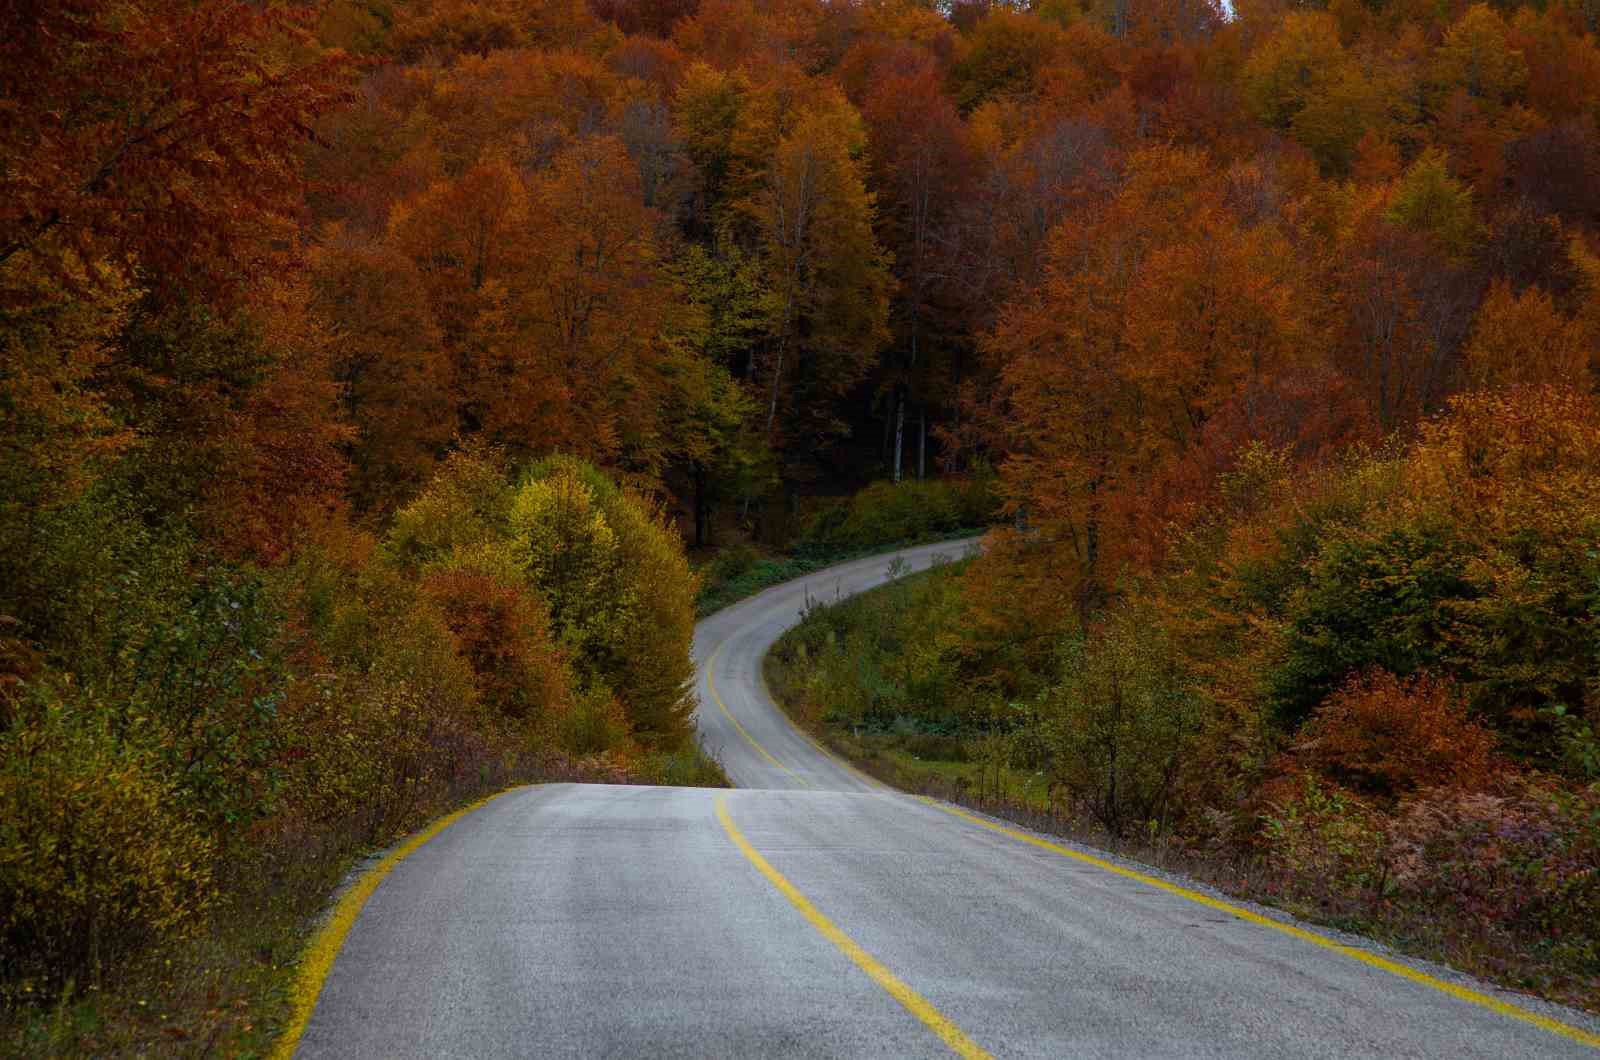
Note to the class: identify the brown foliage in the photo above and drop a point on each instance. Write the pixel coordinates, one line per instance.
(1385, 736)
(1522, 339)
(503, 630)
(160, 134)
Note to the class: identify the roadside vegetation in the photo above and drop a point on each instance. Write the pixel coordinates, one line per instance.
(201, 748)
(1357, 691)
(880, 518)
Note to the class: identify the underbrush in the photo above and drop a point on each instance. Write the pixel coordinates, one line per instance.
(691, 767)
(193, 751)
(881, 518)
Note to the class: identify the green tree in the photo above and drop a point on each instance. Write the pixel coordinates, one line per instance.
(1120, 720)
(1430, 201)
(1377, 597)
(619, 589)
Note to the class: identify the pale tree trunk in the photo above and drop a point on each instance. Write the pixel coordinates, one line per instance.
(791, 221)
(772, 404)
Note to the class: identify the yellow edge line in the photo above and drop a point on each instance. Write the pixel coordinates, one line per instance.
(837, 759)
(711, 686)
(913, 1002)
(1475, 997)
(326, 943)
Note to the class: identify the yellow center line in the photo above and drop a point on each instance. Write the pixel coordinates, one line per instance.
(913, 1002)
(711, 686)
(1462, 993)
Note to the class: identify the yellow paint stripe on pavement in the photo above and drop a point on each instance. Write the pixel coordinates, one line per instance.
(329, 939)
(839, 760)
(914, 1002)
(1462, 993)
(711, 686)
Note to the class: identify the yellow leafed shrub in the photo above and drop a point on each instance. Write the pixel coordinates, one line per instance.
(97, 854)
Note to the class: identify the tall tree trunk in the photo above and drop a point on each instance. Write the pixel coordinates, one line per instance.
(922, 441)
(888, 428)
(899, 429)
(702, 510)
(777, 374)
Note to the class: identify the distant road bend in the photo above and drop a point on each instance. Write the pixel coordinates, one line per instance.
(813, 912)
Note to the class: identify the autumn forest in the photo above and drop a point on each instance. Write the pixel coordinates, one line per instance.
(382, 380)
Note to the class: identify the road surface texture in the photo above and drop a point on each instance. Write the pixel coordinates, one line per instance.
(813, 912)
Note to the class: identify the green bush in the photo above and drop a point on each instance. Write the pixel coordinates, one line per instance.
(91, 577)
(1377, 598)
(595, 725)
(602, 562)
(733, 561)
(619, 589)
(1323, 841)
(1120, 722)
(98, 853)
(391, 713)
(690, 767)
(209, 683)
(465, 504)
(888, 513)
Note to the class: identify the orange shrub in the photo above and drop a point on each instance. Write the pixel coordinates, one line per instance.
(1384, 735)
(503, 631)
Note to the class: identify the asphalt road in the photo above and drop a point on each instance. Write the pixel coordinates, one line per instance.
(814, 913)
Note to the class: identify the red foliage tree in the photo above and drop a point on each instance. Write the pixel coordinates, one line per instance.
(164, 135)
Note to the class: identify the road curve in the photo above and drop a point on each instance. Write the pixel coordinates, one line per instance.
(738, 721)
(814, 913)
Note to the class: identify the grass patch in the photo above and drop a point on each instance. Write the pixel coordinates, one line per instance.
(896, 764)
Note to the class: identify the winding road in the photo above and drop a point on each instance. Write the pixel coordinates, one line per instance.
(813, 912)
